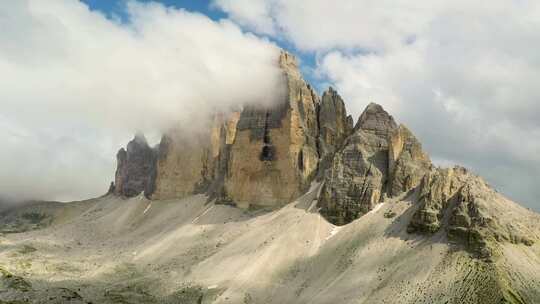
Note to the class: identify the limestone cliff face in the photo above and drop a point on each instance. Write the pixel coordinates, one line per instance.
(274, 154)
(191, 163)
(182, 165)
(135, 168)
(271, 149)
(357, 178)
(334, 124)
(407, 162)
(334, 127)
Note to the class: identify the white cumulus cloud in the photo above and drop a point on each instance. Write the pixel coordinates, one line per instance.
(75, 84)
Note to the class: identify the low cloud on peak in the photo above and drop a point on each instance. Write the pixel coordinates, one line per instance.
(75, 84)
(463, 75)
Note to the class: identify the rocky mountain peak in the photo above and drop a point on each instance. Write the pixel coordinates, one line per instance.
(286, 59)
(376, 119)
(334, 123)
(269, 156)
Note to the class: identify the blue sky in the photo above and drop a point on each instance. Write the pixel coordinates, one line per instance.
(116, 8)
(110, 7)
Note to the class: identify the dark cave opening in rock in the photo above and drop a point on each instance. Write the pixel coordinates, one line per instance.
(267, 153)
(301, 160)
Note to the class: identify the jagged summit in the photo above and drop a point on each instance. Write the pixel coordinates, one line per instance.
(270, 156)
(334, 123)
(376, 119)
(281, 150)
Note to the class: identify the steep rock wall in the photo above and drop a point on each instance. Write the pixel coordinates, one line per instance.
(191, 163)
(407, 162)
(357, 177)
(135, 168)
(274, 154)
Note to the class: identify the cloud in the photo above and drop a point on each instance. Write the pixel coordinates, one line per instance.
(74, 84)
(321, 25)
(465, 76)
(255, 14)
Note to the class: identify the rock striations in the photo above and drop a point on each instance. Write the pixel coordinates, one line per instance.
(269, 155)
(358, 175)
(275, 149)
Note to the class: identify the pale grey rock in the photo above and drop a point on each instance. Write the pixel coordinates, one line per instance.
(357, 177)
(334, 124)
(469, 211)
(407, 162)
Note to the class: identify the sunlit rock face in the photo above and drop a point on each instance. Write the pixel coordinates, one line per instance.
(357, 177)
(334, 124)
(264, 155)
(135, 168)
(274, 155)
(469, 212)
(407, 162)
(334, 127)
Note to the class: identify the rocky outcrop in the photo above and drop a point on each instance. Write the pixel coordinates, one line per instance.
(357, 178)
(334, 124)
(274, 154)
(438, 189)
(375, 120)
(468, 211)
(407, 162)
(135, 168)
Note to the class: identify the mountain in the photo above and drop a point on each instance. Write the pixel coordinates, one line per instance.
(289, 203)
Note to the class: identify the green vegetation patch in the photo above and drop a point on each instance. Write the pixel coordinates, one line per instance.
(28, 221)
(26, 249)
(10, 281)
(188, 295)
(130, 294)
(34, 217)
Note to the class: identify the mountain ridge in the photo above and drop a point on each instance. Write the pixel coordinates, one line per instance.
(284, 204)
(281, 149)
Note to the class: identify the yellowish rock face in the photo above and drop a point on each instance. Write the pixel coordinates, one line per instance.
(274, 154)
(180, 165)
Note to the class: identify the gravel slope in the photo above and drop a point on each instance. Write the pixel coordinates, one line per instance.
(113, 250)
